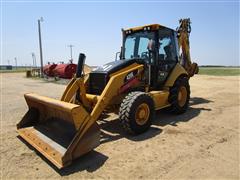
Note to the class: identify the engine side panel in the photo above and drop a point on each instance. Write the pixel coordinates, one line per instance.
(99, 77)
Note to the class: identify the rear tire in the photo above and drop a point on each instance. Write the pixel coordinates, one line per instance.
(136, 112)
(179, 96)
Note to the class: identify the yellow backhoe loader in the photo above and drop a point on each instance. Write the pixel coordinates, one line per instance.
(150, 75)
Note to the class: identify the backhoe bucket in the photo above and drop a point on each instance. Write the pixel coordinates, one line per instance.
(55, 128)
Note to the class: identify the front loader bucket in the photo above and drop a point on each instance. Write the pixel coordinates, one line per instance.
(56, 129)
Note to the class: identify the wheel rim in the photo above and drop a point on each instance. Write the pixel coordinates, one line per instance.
(182, 96)
(142, 114)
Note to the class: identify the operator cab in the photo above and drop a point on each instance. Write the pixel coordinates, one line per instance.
(155, 46)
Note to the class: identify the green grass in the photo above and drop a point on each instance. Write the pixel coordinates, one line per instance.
(219, 71)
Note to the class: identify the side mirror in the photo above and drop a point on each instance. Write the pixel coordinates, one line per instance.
(151, 50)
(151, 45)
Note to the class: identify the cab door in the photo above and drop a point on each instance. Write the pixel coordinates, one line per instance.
(166, 56)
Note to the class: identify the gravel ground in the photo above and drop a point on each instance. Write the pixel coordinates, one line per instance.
(203, 143)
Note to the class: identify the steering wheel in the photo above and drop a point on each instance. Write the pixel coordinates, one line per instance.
(144, 55)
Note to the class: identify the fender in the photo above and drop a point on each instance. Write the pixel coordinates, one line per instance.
(177, 71)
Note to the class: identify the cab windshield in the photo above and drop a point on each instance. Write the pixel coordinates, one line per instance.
(136, 45)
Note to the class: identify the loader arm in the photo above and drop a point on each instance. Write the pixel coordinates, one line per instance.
(76, 85)
(112, 89)
(183, 43)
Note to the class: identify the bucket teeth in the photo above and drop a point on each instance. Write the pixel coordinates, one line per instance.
(50, 149)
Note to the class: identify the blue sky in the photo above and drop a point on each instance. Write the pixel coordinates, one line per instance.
(94, 28)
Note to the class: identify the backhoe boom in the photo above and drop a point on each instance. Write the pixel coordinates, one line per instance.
(184, 31)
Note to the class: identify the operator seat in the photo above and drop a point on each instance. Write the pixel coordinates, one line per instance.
(168, 52)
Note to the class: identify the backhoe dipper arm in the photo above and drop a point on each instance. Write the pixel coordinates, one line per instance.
(183, 43)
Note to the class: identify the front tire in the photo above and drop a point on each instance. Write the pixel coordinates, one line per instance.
(136, 112)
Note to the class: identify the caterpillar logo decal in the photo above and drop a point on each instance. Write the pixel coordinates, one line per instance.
(130, 75)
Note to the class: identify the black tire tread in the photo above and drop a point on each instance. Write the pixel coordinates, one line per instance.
(126, 108)
(173, 97)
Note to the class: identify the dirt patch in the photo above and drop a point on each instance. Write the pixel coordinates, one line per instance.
(203, 143)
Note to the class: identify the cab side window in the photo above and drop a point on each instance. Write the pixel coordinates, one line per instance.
(166, 47)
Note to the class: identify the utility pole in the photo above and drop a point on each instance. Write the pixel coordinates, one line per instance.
(40, 44)
(15, 62)
(34, 60)
(8, 62)
(71, 46)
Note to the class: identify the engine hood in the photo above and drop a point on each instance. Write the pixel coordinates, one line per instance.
(114, 66)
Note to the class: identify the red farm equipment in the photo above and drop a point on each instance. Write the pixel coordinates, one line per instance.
(65, 70)
(48, 69)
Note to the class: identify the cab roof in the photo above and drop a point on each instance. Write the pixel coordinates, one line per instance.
(146, 27)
